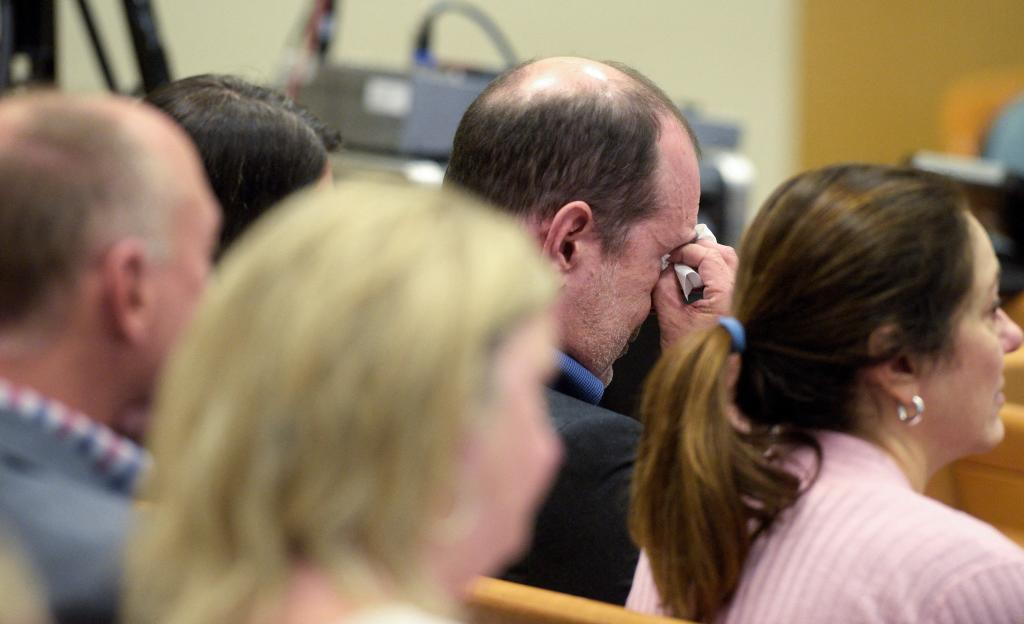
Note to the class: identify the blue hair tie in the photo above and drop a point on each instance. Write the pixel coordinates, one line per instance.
(735, 329)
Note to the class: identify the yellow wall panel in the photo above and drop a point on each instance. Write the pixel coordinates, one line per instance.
(873, 73)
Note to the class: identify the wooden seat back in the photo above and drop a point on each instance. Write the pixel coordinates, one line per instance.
(493, 601)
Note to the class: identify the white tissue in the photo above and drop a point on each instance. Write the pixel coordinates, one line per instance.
(704, 232)
(689, 279)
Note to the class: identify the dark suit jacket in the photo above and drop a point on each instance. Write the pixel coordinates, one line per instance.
(581, 542)
(68, 523)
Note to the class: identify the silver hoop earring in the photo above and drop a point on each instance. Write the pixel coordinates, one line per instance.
(911, 419)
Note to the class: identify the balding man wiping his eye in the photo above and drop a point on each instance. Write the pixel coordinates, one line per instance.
(601, 169)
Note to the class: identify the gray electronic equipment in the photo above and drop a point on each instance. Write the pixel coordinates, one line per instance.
(405, 114)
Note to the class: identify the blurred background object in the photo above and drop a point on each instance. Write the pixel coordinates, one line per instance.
(971, 103)
(1004, 141)
(29, 43)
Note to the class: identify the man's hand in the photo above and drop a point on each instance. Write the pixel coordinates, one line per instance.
(716, 265)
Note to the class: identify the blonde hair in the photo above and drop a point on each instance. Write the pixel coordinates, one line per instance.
(313, 410)
(20, 599)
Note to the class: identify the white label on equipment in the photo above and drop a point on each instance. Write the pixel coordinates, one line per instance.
(387, 96)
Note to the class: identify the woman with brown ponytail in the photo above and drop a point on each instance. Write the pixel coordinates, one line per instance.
(780, 472)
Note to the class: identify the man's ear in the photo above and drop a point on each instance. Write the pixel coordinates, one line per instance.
(126, 289)
(570, 229)
(897, 376)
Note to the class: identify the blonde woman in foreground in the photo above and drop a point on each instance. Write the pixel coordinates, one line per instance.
(784, 454)
(355, 426)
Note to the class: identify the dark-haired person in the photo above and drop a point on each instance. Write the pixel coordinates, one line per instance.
(785, 452)
(601, 169)
(257, 145)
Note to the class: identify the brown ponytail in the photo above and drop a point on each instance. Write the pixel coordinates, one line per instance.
(833, 255)
(699, 482)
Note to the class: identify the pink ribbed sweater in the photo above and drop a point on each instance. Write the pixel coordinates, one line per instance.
(861, 546)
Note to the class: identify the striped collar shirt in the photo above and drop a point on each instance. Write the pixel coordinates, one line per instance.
(116, 460)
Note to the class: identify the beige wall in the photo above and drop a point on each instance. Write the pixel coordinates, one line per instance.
(733, 58)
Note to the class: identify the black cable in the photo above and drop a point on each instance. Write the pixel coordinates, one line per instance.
(97, 45)
(149, 49)
(6, 42)
(497, 37)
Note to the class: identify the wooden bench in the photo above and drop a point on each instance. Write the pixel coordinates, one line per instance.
(1013, 372)
(492, 601)
(991, 486)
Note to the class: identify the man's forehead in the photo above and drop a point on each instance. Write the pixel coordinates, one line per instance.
(678, 228)
(678, 177)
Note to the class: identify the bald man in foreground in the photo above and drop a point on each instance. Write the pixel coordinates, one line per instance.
(601, 169)
(106, 230)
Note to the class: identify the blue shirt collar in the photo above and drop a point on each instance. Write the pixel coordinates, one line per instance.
(114, 460)
(576, 381)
